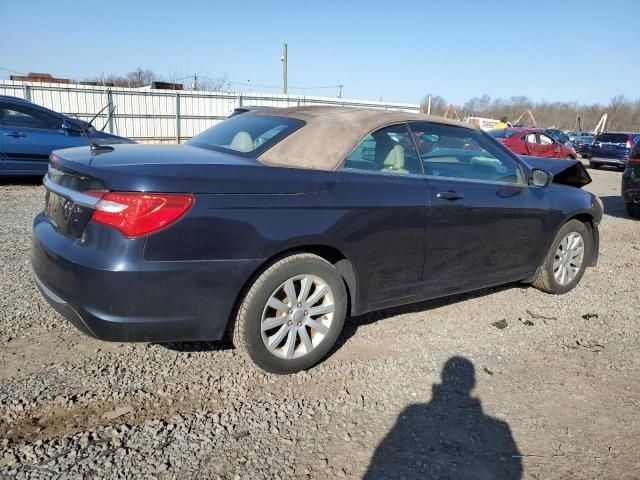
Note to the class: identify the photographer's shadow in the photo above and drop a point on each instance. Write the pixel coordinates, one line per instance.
(449, 437)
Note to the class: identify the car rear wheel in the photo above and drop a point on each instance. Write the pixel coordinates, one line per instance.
(633, 209)
(567, 259)
(292, 314)
(593, 165)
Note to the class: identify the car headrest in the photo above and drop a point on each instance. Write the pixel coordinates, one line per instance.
(242, 142)
(394, 159)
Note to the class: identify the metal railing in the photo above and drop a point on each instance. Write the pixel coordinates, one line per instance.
(162, 116)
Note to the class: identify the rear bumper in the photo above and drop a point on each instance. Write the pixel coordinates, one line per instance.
(619, 162)
(125, 298)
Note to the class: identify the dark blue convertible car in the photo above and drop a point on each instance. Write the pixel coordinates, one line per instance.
(29, 133)
(273, 226)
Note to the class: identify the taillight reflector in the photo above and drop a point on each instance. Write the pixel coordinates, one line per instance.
(137, 213)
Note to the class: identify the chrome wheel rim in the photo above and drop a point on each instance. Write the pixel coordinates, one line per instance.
(297, 316)
(568, 259)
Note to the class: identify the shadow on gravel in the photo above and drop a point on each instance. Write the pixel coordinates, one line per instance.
(614, 206)
(33, 180)
(187, 347)
(353, 323)
(449, 437)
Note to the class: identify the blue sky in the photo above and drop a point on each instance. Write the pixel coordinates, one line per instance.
(585, 51)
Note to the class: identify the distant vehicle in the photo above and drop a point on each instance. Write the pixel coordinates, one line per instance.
(631, 182)
(582, 142)
(612, 148)
(29, 132)
(484, 123)
(533, 142)
(341, 211)
(255, 108)
(560, 136)
(572, 135)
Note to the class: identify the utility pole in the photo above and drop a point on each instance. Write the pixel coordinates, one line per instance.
(340, 87)
(284, 68)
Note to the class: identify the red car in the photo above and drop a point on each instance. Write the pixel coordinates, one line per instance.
(533, 142)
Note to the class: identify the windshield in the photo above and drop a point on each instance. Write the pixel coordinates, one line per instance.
(247, 135)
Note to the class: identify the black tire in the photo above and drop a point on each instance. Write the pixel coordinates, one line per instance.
(593, 165)
(247, 334)
(545, 280)
(633, 209)
(620, 168)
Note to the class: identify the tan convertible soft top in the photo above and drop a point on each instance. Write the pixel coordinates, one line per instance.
(331, 133)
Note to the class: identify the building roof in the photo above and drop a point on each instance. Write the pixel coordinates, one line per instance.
(331, 133)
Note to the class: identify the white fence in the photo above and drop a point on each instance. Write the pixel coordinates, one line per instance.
(161, 116)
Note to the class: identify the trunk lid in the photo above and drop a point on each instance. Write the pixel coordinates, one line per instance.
(187, 169)
(160, 169)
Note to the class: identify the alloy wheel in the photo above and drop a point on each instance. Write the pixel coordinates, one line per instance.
(568, 259)
(297, 316)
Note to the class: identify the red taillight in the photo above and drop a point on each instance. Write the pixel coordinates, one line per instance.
(136, 213)
(53, 157)
(629, 143)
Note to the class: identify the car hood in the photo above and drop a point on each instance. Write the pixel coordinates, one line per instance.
(565, 172)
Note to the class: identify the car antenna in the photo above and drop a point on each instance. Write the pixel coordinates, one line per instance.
(96, 115)
(95, 148)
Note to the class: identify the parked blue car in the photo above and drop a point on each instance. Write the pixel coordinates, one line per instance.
(612, 148)
(29, 132)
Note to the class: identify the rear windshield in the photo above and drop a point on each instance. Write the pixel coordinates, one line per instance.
(246, 135)
(613, 137)
(502, 133)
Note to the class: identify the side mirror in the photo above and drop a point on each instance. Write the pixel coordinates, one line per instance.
(540, 178)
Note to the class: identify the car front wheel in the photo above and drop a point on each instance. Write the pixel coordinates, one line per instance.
(567, 259)
(292, 314)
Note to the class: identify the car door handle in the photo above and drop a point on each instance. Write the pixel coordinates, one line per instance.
(449, 195)
(15, 134)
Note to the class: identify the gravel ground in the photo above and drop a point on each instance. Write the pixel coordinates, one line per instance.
(556, 385)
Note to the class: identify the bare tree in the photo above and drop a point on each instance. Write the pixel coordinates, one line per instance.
(623, 114)
(213, 84)
(438, 104)
(137, 78)
(140, 77)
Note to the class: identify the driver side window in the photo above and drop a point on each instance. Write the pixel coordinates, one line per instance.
(19, 116)
(463, 153)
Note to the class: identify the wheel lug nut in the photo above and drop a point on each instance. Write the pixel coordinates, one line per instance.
(306, 312)
(299, 305)
(291, 310)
